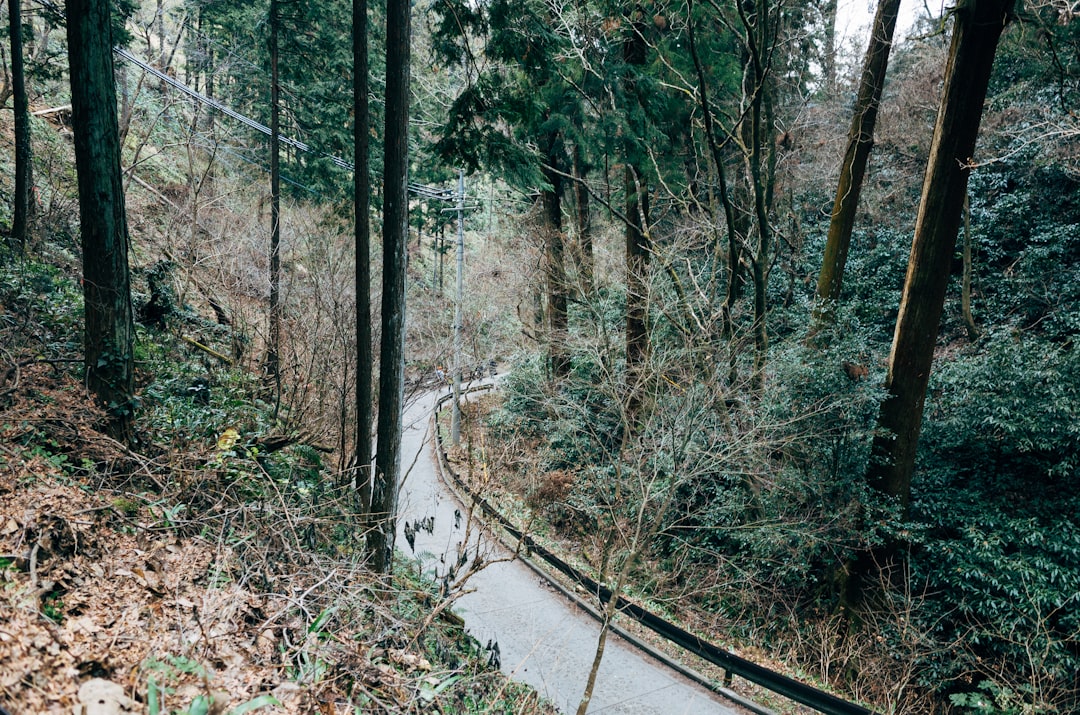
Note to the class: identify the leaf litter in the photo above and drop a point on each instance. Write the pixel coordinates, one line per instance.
(108, 607)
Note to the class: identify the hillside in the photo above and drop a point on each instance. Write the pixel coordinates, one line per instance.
(828, 421)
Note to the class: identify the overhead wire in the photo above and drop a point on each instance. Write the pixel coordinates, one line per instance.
(211, 102)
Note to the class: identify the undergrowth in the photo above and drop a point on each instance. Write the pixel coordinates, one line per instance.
(234, 528)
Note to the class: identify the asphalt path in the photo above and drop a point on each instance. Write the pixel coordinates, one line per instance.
(542, 639)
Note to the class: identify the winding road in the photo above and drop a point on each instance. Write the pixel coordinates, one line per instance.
(541, 638)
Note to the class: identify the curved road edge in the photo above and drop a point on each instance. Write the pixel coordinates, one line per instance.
(496, 531)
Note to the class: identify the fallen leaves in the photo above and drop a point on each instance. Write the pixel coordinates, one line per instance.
(104, 602)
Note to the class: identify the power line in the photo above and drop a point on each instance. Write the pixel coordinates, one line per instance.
(209, 101)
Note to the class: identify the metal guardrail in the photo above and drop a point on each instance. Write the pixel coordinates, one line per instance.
(732, 664)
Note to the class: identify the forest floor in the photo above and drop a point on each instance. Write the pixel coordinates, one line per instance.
(116, 598)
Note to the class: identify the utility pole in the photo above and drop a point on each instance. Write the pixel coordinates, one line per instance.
(455, 422)
(458, 197)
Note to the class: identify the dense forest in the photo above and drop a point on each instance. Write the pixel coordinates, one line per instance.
(787, 318)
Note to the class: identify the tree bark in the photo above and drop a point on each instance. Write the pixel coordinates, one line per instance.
(637, 243)
(717, 155)
(556, 269)
(395, 237)
(637, 298)
(853, 166)
(978, 26)
(23, 174)
(110, 330)
(273, 353)
(828, 52)
(761, 168)
(965, 286)
(362, 199)
(584, 222)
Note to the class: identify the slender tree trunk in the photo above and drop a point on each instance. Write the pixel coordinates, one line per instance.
(23, 173)
(395, 238)
(965, 288)
(978, 26)
(717, 156)
(761, 168)
(556, 271)
(159, 20)
(362, 199)
(584, 223)
(637, 246)
(637, 291)
(273, 353)
(110, 330)
(828, 52)
(853, 166)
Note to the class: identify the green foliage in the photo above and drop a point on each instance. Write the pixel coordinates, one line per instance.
(315, 70)
(995, 699)
(38, 293)
(164, 675)
(1000, 468)
(1027, 261)
(1009, 590)
(1004, 415)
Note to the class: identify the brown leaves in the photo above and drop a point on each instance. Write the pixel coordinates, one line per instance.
(86, 600)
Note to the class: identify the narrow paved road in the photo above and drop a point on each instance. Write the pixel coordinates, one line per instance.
(542, 639)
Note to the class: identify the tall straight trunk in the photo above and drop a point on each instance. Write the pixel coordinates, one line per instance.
(395, 237)
(362, 206)
(110, 329)
(717, 155)
(965, 285)
(637, 246)
(583, 221)
(828, 52)
(159, 20)
(853, 168)
(761, 163)
(273, 353)
(556, 271)
(23, 172)
(637, 298)
(977, 28)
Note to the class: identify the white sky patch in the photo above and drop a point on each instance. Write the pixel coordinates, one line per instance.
(853, 18)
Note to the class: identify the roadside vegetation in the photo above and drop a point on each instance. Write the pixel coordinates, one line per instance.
(649, 206)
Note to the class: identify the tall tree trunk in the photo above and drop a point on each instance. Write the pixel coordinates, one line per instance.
(556, 269)
(110, 330)
(717, 155)
(273, 353)
(362, 206)
(828, 52)
(761, 170)
(583, 221)
(977, 27)
(159, 20)
(637, 244)
(22, 129)
(965, 286)
(637, 282)
(853, 167)
(395, 236)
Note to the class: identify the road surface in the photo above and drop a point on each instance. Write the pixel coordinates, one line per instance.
(542, 639)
